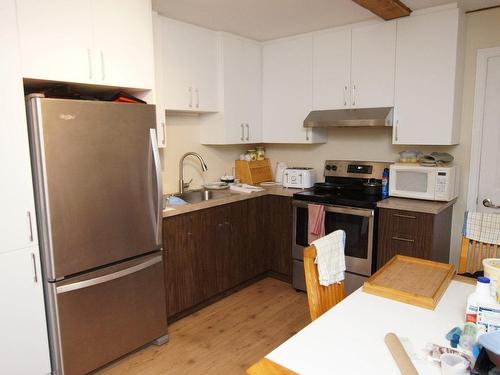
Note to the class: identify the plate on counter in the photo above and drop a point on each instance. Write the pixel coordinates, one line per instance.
(216, 186)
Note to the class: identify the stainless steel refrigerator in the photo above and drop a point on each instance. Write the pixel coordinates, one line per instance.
(98, 192)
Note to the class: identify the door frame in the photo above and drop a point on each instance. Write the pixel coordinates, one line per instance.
(482, 58)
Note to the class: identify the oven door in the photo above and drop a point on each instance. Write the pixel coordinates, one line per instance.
(358, 223)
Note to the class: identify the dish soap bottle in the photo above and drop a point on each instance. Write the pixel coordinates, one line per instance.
(385, 183)
(480, 297)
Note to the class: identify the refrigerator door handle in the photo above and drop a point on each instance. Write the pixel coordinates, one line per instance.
(159, 187)
(106, 278)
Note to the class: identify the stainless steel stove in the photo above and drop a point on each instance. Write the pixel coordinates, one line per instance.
(350, 194)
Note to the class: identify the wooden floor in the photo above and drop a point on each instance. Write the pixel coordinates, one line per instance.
(226, 337)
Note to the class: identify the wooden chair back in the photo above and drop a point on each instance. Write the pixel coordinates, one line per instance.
(321, 298)
(472, 254)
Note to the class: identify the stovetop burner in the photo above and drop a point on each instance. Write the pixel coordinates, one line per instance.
(345, 184)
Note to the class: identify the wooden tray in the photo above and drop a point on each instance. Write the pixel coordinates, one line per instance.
(410, 280)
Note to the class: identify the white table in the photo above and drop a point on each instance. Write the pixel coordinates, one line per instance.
(349, 338)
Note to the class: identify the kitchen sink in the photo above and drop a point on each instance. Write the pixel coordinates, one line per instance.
(196, 196)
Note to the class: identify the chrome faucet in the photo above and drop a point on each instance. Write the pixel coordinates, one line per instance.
(182, 185)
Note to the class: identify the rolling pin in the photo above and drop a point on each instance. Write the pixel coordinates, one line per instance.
(399, 354)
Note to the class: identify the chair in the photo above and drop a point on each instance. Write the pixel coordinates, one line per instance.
(321, 298)
(472, 254)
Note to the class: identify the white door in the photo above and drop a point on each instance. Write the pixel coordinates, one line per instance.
(190, 67)
(425, 84)
(252, 90)
(56, 40)
(24, 344)
(373, 65)
(487, 113)
(17, 216)
(123, 35)
(332, 69)
(287, 91)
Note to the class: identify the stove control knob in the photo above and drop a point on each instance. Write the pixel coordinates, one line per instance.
(328, 167)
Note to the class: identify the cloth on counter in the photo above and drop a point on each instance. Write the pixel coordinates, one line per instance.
(330, 258)
(244, 188)
(316, 222)
(482, 227)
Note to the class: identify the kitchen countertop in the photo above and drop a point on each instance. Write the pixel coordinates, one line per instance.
(231, 197)
(415, 205)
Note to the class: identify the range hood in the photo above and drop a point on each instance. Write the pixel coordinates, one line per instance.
(350, 118)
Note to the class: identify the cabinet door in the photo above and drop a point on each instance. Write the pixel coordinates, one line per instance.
(278, 238)
(190, 256)
(56, 40)
(425, 88)
(287, 90)
(24, 345)
(123, 42)
(373, 65)
(332, 69)
(252, 90)
(17, 218)
(190, 67)
(242, 80)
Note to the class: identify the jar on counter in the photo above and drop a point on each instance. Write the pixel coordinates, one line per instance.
(253, 154)
(261, 153)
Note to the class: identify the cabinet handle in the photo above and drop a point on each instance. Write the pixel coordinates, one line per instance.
(405, 216)
(396, 130)
(353, 95)
(190, 97)
(197, 97)
(242, 132)
(89, 59)
(403, 239)
(163, 140)
(307, 134)
(248, 132)
(30, 227)
(35, 273)
(103, 68)
(345, 96)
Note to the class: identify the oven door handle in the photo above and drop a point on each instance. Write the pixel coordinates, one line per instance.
(355, 211)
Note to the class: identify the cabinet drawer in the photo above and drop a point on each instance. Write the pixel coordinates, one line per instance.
(405, 225)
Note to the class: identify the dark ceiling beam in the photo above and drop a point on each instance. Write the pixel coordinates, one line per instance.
(386, 9)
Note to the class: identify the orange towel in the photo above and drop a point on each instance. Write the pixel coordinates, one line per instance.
(316, 222)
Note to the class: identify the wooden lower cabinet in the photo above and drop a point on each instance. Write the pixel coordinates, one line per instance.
(415, 234)
(211, 251)
(278, 235)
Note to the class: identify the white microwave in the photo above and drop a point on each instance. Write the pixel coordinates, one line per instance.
(419, 182)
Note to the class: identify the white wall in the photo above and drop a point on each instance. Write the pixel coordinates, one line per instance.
(357, 144)
(182, 134)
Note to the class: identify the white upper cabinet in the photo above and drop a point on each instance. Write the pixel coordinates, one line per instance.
(287, 91)
(240, 119)
(428, 79)
(123, 34)
(354, 67)
(104, 42)
(189, 66)
(332, 69)
(373, 65)
(56, 40)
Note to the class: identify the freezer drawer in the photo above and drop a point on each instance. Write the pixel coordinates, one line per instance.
(108, 313)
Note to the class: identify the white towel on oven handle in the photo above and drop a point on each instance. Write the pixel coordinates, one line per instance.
(330, 257)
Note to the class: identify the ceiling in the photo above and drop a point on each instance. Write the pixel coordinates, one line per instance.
(270, 19)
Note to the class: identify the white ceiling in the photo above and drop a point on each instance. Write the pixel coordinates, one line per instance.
(270, 19)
